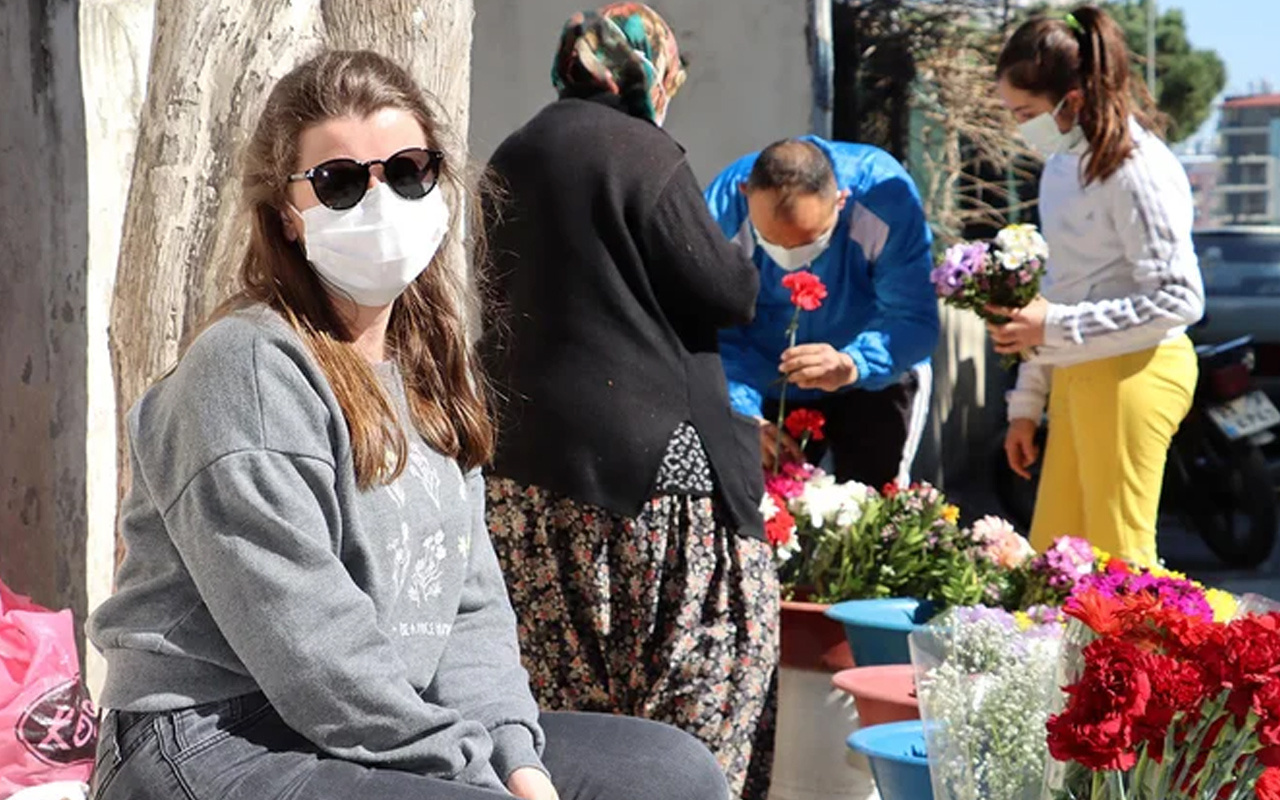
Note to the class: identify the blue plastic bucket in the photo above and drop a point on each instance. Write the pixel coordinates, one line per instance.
(877, 630)
(898, 762)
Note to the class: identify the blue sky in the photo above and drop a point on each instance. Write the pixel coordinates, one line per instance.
(1246, 33)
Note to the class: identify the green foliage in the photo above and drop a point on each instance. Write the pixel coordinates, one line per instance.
(905, 544)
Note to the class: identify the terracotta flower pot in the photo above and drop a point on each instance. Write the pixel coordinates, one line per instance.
(882, 694)
(812, 641)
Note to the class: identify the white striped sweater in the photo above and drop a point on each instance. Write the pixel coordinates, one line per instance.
(1122, 275)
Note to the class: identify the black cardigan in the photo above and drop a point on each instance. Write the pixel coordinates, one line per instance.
(608, 285)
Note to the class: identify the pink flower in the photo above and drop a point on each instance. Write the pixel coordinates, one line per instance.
(1002, 543)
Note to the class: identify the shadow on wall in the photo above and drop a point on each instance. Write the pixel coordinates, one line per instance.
(966, 417)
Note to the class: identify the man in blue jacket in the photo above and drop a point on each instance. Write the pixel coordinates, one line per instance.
(849, 213)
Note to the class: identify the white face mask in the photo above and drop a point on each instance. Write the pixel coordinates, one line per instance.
(372, 251)
(793, 258)
(1041, 132)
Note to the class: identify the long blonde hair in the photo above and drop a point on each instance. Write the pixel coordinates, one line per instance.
(426, 334)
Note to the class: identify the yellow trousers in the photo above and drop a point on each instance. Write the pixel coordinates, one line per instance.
(1110, 423)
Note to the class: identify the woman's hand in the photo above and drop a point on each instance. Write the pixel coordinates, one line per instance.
(1020, 446)
(769, 445)
(1025, 329)
(528, 783)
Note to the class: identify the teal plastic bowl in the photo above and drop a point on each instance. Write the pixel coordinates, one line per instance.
(898, 762)
(877, 630)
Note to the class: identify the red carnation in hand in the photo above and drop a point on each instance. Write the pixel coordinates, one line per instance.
(807, 290)
(806, 422)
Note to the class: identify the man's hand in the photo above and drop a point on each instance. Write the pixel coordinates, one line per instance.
(528, 783)
(818, 366)
(1020, 446)
(1023, 332)
(769, 445)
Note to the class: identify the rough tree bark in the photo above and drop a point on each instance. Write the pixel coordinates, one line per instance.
(212, 62)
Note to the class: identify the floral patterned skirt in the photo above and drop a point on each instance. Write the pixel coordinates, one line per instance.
(668, 615)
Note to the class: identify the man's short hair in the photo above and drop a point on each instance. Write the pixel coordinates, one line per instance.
(793, 168)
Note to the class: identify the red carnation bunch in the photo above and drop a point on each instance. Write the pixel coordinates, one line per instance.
(1169, 705)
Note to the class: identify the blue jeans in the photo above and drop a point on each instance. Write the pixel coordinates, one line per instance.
(240, 749)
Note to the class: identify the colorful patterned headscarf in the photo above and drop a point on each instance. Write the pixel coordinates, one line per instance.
(624, 49)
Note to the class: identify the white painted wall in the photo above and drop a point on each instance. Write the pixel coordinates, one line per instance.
(115, 49)
(749, 77)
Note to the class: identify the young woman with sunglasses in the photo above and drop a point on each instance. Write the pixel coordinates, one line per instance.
(1107, 346)
(624, 498)
(310, 606)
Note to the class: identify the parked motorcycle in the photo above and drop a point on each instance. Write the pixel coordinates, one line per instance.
(1216, 478)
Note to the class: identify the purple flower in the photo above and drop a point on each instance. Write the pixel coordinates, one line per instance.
(1183, 595)
(959, 263)
(974, 614)
(1065, 562)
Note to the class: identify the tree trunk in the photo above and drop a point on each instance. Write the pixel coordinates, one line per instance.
(212, 63)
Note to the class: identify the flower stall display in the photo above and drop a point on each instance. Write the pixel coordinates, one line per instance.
(1004, 274)
(984, 677)
(1166, 696)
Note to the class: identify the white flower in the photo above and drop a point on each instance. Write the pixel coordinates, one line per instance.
(1020, 244)
(986, 690)
(824, 502)
(783, 553)
(768, 508)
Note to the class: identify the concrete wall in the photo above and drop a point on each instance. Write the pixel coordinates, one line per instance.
(749, 77)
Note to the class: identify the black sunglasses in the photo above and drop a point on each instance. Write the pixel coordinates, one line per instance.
(340, 183)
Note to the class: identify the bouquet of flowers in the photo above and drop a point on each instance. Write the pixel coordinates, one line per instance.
(1165, 698)
(1005, 273)
(984, 682)
(807, 294)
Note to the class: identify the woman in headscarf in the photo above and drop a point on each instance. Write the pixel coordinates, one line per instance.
(624, 495)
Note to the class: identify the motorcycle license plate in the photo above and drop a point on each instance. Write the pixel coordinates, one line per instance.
(1245, 416)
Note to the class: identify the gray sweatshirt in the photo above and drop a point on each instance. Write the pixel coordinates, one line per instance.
(376, 622)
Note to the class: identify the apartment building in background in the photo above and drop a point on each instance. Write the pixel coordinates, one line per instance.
(1249, 160)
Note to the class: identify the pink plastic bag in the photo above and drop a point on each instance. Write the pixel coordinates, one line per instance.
(48, 725)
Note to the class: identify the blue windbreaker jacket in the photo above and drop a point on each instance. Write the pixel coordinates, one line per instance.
(880, 308)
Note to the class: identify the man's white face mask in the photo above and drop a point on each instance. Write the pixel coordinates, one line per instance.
(794, 258)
